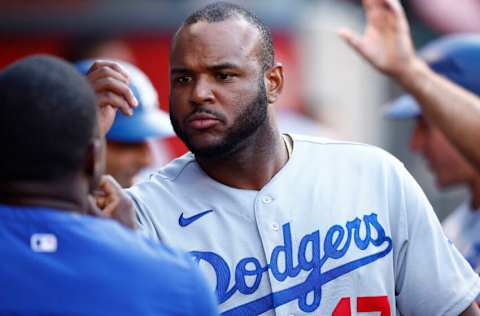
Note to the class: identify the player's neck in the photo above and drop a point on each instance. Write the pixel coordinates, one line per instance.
(67, 194)
(253, 164)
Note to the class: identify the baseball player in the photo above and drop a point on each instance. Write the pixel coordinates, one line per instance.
(286, 224)
(440, 99)
(129, 150)
(458, 59)
(57, 259)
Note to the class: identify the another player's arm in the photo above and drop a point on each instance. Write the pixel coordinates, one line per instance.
(472, 310)
(387, 45)
(111, 85)
(454, 110)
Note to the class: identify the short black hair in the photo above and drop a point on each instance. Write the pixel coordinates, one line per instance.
(47, 119)
(221, 11)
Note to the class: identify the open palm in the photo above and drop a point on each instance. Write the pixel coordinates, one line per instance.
(386, 42)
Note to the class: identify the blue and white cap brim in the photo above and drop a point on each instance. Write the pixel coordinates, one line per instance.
(140, 126)
(148, 120)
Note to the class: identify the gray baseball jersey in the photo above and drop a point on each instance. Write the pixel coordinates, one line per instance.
(463, 229)
(342, 229)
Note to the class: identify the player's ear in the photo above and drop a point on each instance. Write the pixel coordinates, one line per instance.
(274, 82)
(95, 162)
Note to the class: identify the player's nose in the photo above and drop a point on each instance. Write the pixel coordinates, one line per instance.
(202, 91)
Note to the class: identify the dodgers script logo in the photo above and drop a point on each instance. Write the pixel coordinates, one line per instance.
(337, 242)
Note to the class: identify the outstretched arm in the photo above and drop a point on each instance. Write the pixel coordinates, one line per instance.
(387, 45)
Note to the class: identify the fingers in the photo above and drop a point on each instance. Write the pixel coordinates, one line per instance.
(113, 94)
(374, 7)
(115, 203)
(351, 39)
(99, 64)
(395, 6)
(369, 4)
(110, 82)
(92, 207)
(105, 118)
(108, 198)
(400, 17)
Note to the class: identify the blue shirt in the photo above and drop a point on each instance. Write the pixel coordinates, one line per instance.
(63, 263)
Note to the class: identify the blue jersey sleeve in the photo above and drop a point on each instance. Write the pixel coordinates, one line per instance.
(203, 300)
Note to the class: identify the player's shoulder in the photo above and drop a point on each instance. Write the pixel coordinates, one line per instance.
(104, 240)
(172, 274)
(175, 168)
(343, 150)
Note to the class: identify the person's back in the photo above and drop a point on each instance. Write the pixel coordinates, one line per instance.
(59, 263)
(56, 258)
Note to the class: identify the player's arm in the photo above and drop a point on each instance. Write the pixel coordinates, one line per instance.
(387, 45)
(110, 82)
(472, 310)
(454, 110)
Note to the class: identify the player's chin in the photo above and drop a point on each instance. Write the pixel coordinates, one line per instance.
(206, 138)
(208, 149)
(203, 146)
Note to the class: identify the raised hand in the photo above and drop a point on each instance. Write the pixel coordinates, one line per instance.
(110, 82)
(386, 42)
(114, 203)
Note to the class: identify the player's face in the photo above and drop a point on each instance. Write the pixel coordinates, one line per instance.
(217, 96)
(447, 164)
(125, 160)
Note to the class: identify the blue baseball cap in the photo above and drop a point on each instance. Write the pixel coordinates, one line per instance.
(148, 121)
(456, 57)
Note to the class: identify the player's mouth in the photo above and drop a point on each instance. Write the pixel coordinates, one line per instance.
(202, 121)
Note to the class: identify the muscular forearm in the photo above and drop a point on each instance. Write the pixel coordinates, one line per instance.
(451, 108)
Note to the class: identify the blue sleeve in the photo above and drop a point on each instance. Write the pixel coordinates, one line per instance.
(203, 299)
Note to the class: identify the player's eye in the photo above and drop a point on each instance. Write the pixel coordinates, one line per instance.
(183, 79)
(225, 76)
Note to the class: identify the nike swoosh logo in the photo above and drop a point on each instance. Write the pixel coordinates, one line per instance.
(185, 221)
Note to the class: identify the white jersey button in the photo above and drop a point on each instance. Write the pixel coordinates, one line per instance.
(275, 226)
(267, 199)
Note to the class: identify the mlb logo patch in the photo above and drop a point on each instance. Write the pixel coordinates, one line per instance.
(43, 243)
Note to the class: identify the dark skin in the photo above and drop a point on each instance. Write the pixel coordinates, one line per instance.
(221, 75)
(85, 191)
(69, 193)
(207, 74)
